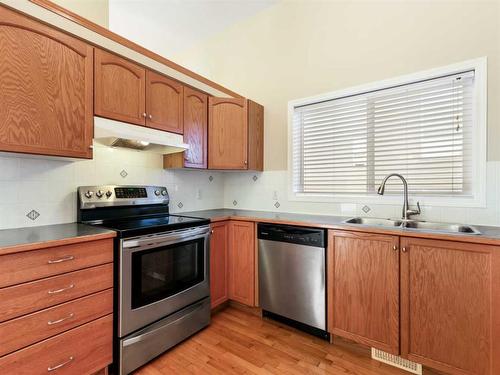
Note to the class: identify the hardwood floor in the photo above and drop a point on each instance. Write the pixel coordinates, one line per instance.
(240, 342)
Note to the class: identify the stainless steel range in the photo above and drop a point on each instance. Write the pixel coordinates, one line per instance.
(162, 291)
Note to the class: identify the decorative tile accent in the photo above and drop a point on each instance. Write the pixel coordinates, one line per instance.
(366, 209)
(235, 203)
(210, 178)
(33, 215)
(277, 204)
(180, 205)
(254, 178)
(123, 173)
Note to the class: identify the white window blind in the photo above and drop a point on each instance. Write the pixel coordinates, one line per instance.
(422, 130)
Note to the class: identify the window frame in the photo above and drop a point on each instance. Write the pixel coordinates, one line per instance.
(479, 141)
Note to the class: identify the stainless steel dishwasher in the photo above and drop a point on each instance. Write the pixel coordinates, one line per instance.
(292, 276)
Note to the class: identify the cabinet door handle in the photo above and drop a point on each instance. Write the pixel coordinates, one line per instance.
(144, 114)
(55, 291)
(60, 260)
(395, 248)
(52, 322)
(245, 162)
(404, 249)
(150, 116)
(52, 368)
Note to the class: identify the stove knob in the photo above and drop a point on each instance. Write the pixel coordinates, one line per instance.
(164, 192)
(99, 193)
(109, 193)
(157, 193)
(89, 194)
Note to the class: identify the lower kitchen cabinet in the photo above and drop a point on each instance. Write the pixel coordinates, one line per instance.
(218, 263)
(56, 309)
(450, 305)
(241, 265)
(363, 290)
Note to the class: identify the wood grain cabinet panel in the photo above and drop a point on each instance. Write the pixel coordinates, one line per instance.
(364, 288)
(25, 298)
(32, 265)
(119, 89)
(227, 133)
(255, 136)
(195, 128)
(164, 103)
(46, 89)
(450, 303)
(29, 329)
(218, 263)
(242, 262)
(82, 350)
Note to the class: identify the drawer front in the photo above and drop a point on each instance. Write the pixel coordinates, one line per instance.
(82, 350)
(36, 295)
(33, 265)
(29, 329)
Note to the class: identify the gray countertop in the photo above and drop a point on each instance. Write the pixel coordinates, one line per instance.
(28, 238)
(489, 234)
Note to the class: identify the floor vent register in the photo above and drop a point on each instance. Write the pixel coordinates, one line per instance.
(396, 361)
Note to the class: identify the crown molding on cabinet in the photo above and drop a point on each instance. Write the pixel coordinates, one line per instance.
(55, 15)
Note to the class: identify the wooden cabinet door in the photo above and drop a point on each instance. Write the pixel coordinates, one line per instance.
(218, 263)
(227, 133)
(242, 262)
(46, 89)
(450, 305)
(195, 128)
(164, 98)
(363, 288)
(119, 89)
(255, 136)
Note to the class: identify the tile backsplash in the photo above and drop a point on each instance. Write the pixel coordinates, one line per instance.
(35, 191)
(268, 191)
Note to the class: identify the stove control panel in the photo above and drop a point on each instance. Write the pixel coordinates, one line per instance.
(113, 195)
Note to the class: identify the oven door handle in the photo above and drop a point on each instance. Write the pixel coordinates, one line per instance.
(165, 239)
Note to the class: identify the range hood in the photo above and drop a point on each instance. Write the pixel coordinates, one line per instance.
(120, 134)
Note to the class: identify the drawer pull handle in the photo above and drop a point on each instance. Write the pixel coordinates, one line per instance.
(61, 290)
(60, 260)
(52, 368)
(51, 322)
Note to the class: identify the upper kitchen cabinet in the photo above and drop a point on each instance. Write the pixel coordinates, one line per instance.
(45, 89)
(450, 305)
(164, 99)
(195, 132)
(119, 89)
(228, 133)
(235, 134)
(255, 136)
(195, 128)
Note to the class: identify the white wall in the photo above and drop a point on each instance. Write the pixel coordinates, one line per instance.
(96, 11)
(49, 186)
(298, 49)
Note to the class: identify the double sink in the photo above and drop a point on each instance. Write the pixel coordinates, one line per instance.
(414, 224)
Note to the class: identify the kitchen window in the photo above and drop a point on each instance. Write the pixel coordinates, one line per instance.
(430, 127)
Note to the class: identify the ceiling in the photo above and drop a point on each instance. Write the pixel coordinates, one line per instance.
(169, 27)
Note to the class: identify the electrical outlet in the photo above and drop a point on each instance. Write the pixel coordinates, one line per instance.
(275, 195)
(198, 194)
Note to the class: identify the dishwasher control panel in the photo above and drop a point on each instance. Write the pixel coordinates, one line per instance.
(292, 234)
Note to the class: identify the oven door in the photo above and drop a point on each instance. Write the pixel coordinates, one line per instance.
(161, 274)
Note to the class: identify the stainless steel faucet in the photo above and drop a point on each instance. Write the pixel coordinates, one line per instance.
(407, 213)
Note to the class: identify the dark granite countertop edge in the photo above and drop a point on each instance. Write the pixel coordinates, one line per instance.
(30, 238)
(490, 235)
